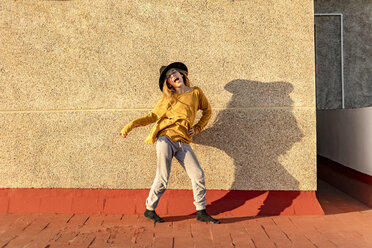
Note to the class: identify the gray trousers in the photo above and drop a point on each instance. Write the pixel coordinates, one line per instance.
(166, 150)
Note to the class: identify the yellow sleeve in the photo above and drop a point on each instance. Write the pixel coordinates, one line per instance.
(207, 112)
(141, 121)
(145, 120)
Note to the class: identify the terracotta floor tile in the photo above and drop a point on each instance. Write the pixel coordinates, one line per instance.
(243, 242)
(201, 230)
(142, 235)
(131, 218)
(182, 228)
(182, 242)
(78, 219)
(161, 242)
(29, 234)
(202, 243)
(100, 240)
(347, 223)
(16, 229)
(7, 220)
(221, 236)
(163, 230)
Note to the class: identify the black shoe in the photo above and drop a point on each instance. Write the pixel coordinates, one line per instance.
(151, 215)
(202, 215)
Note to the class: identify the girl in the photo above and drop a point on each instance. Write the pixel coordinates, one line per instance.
(173, 131)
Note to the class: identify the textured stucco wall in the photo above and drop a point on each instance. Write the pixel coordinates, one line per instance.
(357, 53)
(73, 73)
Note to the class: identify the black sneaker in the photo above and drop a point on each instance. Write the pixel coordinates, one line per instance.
(202, 215)
(151, 215)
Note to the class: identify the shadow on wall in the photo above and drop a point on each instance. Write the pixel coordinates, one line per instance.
(255, 139)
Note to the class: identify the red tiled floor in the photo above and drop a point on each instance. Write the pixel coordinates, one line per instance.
(347, 223)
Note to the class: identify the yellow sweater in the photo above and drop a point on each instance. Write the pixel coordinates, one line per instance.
(175, 120)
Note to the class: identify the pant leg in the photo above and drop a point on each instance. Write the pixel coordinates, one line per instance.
(190, 163)
(164, 152)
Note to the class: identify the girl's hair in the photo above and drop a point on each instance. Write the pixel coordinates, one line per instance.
(168, 92)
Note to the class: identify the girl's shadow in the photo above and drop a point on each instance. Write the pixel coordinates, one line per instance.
(255, 138)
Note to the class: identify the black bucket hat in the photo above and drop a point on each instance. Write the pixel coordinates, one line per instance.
(164, 69)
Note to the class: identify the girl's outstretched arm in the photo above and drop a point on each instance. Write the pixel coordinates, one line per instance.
(206, 115)
(145, 120)
(139, 122)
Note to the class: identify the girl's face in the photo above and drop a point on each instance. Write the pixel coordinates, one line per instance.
(174, 78)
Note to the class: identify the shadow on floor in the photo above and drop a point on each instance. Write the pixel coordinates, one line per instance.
(223, 219)
(332, 200)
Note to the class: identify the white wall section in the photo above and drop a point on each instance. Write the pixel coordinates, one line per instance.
(345, 136)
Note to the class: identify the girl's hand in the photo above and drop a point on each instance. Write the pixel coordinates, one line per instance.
(192, 131)
(123, 135)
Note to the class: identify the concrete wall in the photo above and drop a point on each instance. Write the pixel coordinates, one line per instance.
(345, 136)
(73, 73)
(328, 62)
(357, 53)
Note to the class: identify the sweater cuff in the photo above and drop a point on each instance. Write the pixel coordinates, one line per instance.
(124, 130)
(197, 129)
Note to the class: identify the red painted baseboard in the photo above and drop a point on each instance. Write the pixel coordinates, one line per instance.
(356, 184)
(173, 202)
(343, 170)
